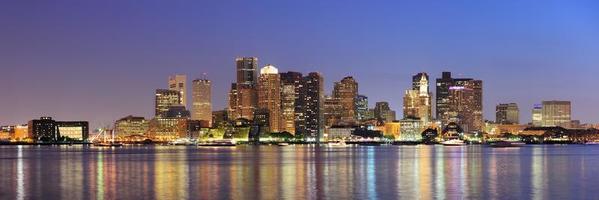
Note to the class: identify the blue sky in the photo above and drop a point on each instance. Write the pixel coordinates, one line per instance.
(102, 60)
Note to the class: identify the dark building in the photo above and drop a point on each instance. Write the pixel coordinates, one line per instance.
(177, 111)
(442, 98)
(219, 117)
(43, 129)
(262, 119)
(46, 129)
(247, 73)
(311, 123)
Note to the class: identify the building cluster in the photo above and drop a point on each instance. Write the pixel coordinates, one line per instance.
(46, 130)
(263, 101)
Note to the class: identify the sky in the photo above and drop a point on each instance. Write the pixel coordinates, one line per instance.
(102, 60)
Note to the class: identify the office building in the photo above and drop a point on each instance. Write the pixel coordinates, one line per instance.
(269, 96)
(164, 99)
(442, 97)
(311, 123)
(291, 85)
(201, 100)
(247, 73)
(43, 129)
(332, 111)
(74, 130)
(460, 101)
(556, 113)
(178, 83)
(346, 91)
(243, 95)
(507, 114)
(131, 125)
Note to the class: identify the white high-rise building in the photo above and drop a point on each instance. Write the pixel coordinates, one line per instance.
(201, 100)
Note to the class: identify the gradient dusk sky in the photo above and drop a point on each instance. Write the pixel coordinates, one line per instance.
(102, 60)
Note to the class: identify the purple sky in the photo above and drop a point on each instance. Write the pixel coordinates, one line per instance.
(102, 60)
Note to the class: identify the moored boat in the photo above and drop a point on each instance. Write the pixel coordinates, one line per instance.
(283, 144)
(453, 142)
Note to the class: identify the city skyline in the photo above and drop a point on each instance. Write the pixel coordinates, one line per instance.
(520, 61)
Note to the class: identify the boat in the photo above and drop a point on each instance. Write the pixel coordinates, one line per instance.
(218, 143)
(283, 144)
(337, 144)
(453, 142)
(103, 140)
(182, 141)
(500, 144)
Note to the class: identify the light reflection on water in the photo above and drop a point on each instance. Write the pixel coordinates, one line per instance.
(298, 172)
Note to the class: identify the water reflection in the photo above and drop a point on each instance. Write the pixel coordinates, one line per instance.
(298, 172)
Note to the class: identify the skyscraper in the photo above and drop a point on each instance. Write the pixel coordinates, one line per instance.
(201, 100)
(269, 95)
(178, 82)
(417, 100)
(310, 125)
(507, 113)
(164, 99)
(466, 104)
(537, 115)
(243, 95)
(556, 113)
(460, 101)
(247, 71)
(442, 97)
(346, 91)
(290, 95)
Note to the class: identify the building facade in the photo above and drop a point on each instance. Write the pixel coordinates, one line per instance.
(178, 82)
(311, 123)
(164, 99)
(507, 113)
(291, 85)
(131, 125)
(346, 91)
(201, 100)
(269, 96)
(460, 101)
(556, 113)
